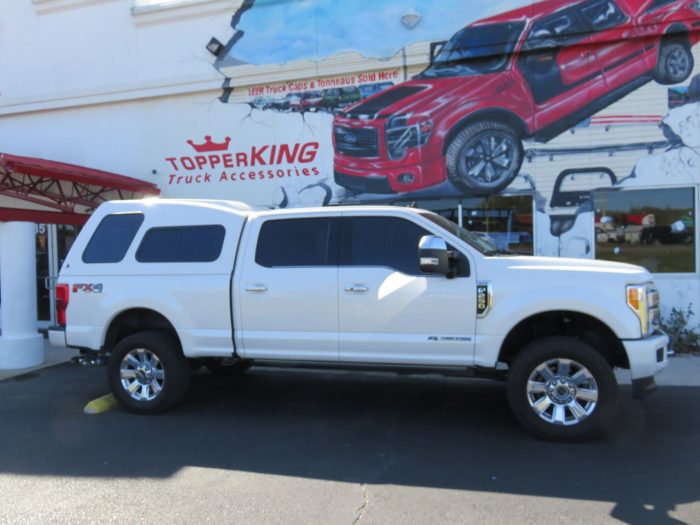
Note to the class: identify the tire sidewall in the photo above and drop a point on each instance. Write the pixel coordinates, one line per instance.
(471, 185)
(662, 74)
(543, 350)
(175, 366)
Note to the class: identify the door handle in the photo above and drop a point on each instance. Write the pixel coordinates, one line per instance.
(256, 288)
(356, 288)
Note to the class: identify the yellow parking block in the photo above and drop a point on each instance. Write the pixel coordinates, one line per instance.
(101, 404)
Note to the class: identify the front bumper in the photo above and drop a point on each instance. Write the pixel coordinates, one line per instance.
(647, 357)
(385, 176)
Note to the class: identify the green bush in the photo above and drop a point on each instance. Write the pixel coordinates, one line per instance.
(684, 340)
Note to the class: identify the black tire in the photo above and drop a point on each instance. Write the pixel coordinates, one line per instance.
(544, 406)
(227, 367)
(675, 63)
(484, 157)
(158, 364)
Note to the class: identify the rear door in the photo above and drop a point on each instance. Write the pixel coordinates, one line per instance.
(390, 312)
(560, 67)
(616, 43)
(287, 290)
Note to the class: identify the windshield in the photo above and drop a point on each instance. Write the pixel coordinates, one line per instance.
(475, 51)
(476, 242)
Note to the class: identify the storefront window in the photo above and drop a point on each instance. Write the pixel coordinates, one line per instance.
(651, 228)
(504, 221)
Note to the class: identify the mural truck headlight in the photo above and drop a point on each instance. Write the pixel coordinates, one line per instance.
(643, 299)
(400, 135)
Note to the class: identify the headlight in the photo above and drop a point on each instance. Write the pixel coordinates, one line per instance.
(400, 135)
(643, 299)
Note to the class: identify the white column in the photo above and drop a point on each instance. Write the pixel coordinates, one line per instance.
(20, 344)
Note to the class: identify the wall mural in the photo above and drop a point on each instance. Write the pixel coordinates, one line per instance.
(568, 101)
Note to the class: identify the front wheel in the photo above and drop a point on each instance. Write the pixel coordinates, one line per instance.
(148, 373)
(484, 157)
(561, 388)
(675, 63)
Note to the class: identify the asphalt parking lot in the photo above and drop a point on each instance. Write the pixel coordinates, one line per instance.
(326, 448)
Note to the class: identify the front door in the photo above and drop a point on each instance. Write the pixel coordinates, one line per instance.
(390, 312)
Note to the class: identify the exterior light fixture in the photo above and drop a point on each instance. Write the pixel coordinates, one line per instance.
(215, 47)
(410, 19)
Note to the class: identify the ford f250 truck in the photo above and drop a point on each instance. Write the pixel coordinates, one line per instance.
(157, 286)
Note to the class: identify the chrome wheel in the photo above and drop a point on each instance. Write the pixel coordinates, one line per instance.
(489, 157)
(142, 375)
(562, 391)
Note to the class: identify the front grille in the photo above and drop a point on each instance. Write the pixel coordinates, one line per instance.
(356, 142)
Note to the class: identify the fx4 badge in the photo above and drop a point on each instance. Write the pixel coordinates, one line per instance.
(87, 288)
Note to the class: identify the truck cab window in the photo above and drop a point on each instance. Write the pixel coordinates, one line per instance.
(296, 242)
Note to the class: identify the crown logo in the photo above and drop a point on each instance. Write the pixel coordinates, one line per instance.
(209, 145)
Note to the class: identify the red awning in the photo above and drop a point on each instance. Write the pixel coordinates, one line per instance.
(45, 191)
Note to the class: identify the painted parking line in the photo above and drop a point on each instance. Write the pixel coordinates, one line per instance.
(101, 404)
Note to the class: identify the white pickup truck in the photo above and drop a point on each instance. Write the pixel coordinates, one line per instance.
(158, 287)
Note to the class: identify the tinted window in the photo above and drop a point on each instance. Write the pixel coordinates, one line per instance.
(554, 31)
(475, 50)
(182, 244)
(659, 3)
(381, 241)
(602, 14)
(112, 238)
(296, 242)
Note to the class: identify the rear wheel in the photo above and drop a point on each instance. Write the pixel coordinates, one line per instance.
(675, 63)
(562, 389)
(148, 373)
(484, 157)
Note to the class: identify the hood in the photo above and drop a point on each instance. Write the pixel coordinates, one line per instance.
(425, 96)
(561, 266)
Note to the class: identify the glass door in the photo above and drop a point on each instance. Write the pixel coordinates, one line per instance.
(52, 244)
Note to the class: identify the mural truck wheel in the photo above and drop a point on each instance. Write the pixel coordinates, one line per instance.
(484, 157)
(675, 63)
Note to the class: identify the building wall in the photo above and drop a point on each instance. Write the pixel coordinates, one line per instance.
(129, 87)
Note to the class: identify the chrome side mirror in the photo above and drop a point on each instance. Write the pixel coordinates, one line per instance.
(433, 255)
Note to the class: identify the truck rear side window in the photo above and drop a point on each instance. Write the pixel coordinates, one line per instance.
(182, 244)
(112, 238)
(297, 242)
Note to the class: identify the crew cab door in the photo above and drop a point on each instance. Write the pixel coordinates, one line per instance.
(560, 67)
(390, 312)
(616, 42)
(287, 290)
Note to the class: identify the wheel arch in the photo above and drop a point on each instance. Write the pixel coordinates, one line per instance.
(501, 115)
(134, 320)
(676, 31)
(565, 323)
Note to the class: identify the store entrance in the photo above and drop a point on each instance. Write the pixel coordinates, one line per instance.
(52, 244)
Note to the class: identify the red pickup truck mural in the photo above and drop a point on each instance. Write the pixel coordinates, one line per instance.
(529, 73)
